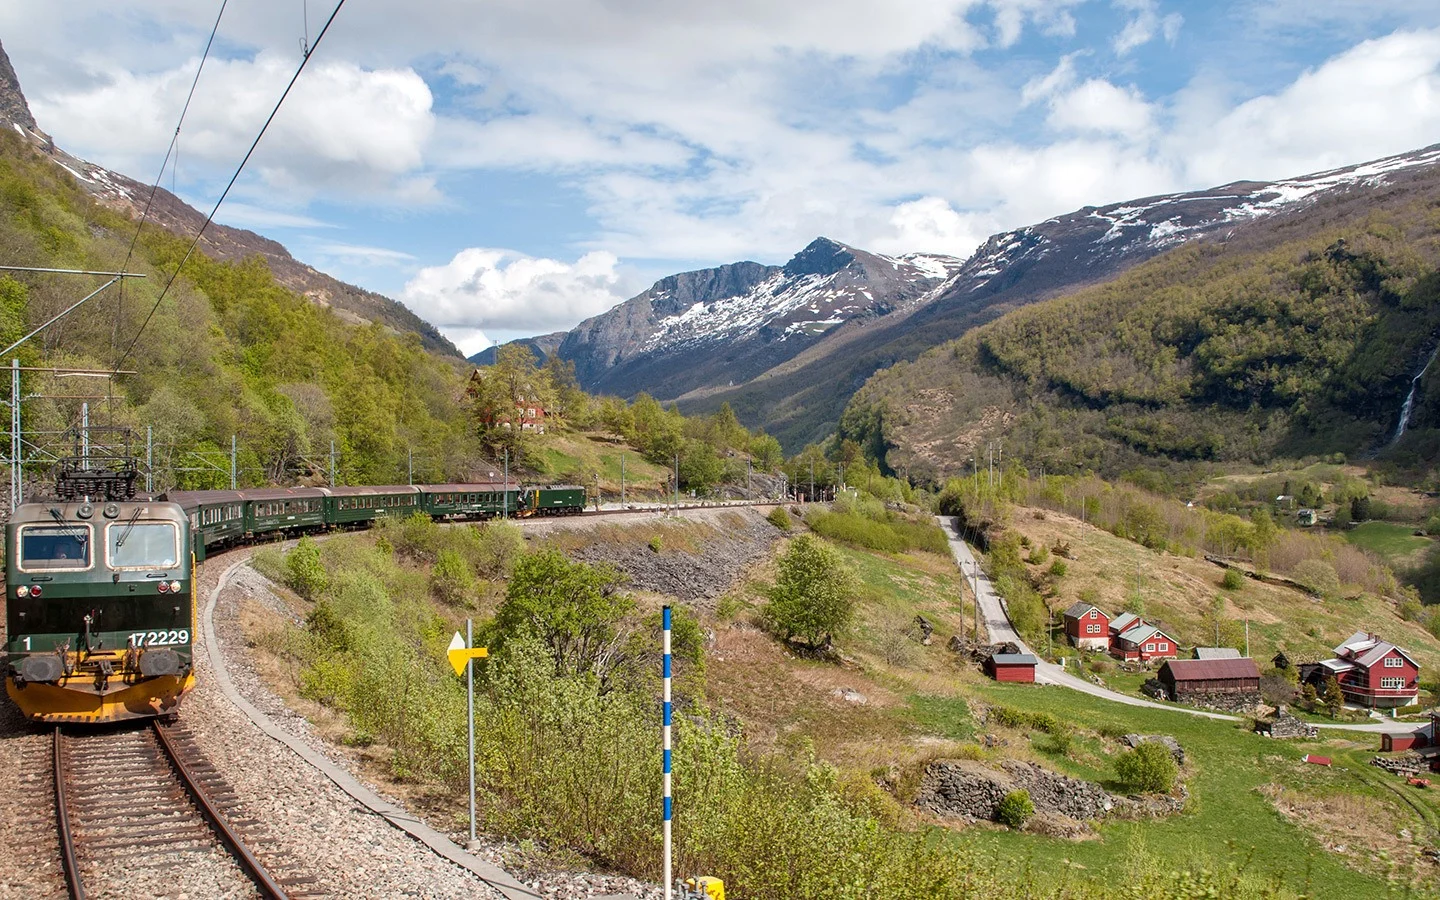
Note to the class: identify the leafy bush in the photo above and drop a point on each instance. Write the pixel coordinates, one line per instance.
(1058, 569)
(417, 536)
(1015, 809)
(451, 579)
(1039, 555)
(1148, 768)
(303, 570)
(779, 518)
(1232, 580)
(492, 548)
(814, 594)
(872, 526)
(656, 544)
(1319, 576)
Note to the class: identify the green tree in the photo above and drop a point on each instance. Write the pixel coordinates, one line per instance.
(451, 579)
(303, 570)
(1149, 767)
(574, 609)
(813, 598)
(1015, 809)
(766, 452)
(501, 396)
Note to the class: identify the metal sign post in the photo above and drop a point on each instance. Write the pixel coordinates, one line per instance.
(665, 736)
(461, 653)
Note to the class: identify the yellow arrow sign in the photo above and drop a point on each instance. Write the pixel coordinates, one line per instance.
(460, 655)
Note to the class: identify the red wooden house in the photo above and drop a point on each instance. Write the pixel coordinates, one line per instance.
(1087, 626)
(1371, 672)
(1012, 667)
(1426, 736)
(1143, 642)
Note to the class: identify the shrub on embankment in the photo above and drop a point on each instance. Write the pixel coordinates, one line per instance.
(568, 745)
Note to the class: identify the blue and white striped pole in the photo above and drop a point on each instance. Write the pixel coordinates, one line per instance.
(665, 730)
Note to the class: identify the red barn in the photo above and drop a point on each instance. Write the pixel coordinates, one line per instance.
(1087, 626)
(1371, 672)
(1012, 667)
(1143, 642)
(1419, 739)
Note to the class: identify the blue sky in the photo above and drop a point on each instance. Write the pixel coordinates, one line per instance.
(510, 168)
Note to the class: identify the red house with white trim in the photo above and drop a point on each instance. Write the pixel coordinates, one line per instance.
(1087, 626)
(1143, 642)
(1371, 672)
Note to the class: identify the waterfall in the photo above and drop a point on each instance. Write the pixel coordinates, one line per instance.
(1410, 398)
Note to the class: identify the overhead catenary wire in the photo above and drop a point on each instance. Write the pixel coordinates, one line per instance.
(155, 186)
(233, 178)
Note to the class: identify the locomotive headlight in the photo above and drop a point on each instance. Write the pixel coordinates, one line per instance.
(163, 587)
(175, 587)
(23, 590)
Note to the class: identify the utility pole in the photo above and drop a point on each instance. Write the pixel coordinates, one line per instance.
(85, 435)
(677, 481)
(811, 498)
(149, 459)
(1247, 638)
(622, 481)
(234, 446)
(15, 474)
(505, 509)
(332, 464)
(749, 470)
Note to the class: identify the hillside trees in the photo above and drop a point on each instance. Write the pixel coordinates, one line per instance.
(501, 397)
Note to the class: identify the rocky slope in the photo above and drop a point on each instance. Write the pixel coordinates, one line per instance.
(351, 303)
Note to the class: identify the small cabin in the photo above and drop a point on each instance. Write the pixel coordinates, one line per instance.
(1087, 626)
(1211, 681)
(1012, 667)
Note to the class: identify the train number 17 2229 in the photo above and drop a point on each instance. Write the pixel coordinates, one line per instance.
(159, 638)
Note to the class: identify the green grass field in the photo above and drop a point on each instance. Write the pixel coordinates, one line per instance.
(1228, 818)
(1392, 541)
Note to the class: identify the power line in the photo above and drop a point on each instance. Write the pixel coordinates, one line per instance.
(174, 140)
(233, 178)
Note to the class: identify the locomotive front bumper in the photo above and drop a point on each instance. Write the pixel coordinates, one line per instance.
(99, 689)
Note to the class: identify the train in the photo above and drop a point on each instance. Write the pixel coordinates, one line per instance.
(100, 585)
(220, 519)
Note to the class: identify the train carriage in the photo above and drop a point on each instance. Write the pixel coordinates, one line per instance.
(481, 500)
(100, 610)
(280, 511)
(217, 518)
(353, 507)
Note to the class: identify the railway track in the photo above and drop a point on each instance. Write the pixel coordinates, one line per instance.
(139, 812)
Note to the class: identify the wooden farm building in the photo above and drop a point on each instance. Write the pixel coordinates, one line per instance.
(1206, 682)
(1370, 672)
(1143, 642)
(1012, 667)
(1087, 626)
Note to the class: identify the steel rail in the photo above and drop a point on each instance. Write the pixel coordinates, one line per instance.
(62, 818)
(268, 886)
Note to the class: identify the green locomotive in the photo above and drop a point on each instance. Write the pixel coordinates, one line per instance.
(100, 609)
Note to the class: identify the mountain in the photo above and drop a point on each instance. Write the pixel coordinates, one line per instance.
(1288, 318)
(788, 346)
(352, 304)
(543, 347)
(716, 327)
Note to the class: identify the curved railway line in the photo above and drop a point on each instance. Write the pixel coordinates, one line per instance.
(139, 812)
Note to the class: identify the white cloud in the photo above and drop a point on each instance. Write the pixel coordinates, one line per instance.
(484, 290)
(1380, 97)
(343, 128)
(1143, 25)
(361, 255)
(1100, 107)
(931, 225)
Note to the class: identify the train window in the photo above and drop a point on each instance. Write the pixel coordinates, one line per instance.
(54, 547)
(142, 545)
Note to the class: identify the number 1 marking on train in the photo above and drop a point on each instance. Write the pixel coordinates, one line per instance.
(26, 639)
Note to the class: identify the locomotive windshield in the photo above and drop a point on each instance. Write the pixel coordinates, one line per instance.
(55, 547)
(142, 545)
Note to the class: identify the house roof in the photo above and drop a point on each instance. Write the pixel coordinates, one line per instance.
(1144, 633)
(1014, 659)
(1337, 665)
(1124, 621)
(1216, 653)
(1367, 650)
(1211, 669)
(1080, 608)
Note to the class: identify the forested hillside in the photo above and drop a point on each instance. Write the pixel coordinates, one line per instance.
(1297, 338)
(227, 352)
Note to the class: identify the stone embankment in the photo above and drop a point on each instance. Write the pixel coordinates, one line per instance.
(972, 791)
